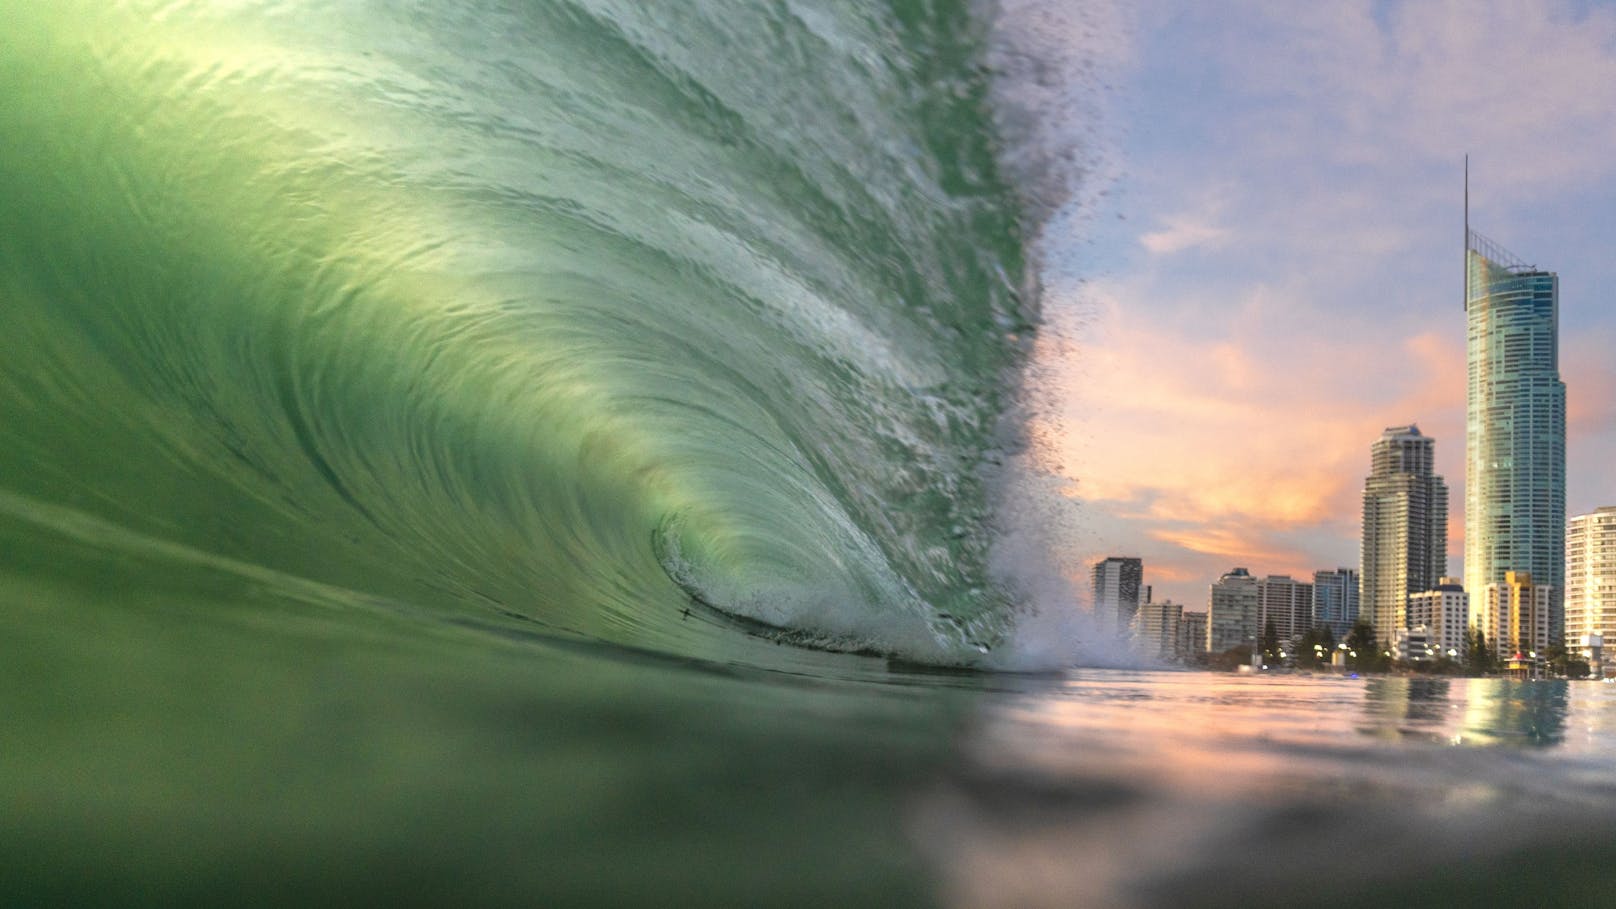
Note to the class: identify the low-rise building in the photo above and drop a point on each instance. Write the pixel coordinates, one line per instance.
(1413, 645)
(1515, 615)
(1445, 612)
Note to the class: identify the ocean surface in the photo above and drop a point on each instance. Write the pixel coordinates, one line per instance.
(554, 452)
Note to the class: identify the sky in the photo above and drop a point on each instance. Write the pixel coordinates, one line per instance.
(1266, 271)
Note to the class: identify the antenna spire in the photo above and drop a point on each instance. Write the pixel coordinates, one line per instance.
(1467, 233)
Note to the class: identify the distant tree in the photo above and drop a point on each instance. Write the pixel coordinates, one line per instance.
(1315, 647)
(1231, 659)
(1307, 649)
(1445, 665)
(1566, 664)
(1270, 643)
(1363, 654)
(1478, 658)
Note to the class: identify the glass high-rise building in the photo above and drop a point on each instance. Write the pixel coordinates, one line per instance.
(1515, 426)
(1335, 600)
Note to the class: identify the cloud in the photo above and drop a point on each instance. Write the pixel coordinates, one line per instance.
(1222, 449)
(1527, 85)
(1182, 233)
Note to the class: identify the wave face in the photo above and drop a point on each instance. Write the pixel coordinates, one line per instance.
(568, 315)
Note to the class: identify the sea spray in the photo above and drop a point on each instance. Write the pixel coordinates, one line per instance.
(1054, 66)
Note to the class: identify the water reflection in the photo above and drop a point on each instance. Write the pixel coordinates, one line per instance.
(1509, 712)
(1422, 709)
(1470, 712)
(1192, 790)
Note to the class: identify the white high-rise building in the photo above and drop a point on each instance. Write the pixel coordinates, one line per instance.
(1405, 527)
(1590, 576)
(1286, 603)
(1155, 630)
(1232, 612)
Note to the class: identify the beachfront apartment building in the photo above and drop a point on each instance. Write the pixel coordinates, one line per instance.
(1515, 615)
(1405, 527)
(1590, 576)
(1335, 600)
(1287, 603)
(1232, 613)
(1445, 613)
(1155, 630)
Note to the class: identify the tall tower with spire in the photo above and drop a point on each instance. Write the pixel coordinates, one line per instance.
(1515, 424)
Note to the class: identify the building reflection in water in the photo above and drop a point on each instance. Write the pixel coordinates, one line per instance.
(1466, 711)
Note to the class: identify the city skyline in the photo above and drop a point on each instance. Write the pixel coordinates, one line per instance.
(1276, 276)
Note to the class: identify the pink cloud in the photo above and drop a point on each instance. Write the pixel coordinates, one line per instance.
(1219, 450)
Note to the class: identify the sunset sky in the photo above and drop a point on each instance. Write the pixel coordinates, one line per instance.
(1272, 272)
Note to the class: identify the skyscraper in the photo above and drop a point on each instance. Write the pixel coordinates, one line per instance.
(1405, 527)
(1116, 592)
(1515, 425)
(1590, 582)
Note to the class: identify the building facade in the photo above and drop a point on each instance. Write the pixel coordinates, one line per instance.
(1287, 603)
(1232, 612)
(1445, 613)
(1516, 616)
(1156, 630)
(1515, 426)
(1191, 633)
(1590, 577)
(1335, 600)
(1405, 527)
(1414, 645)
(1116, 592)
